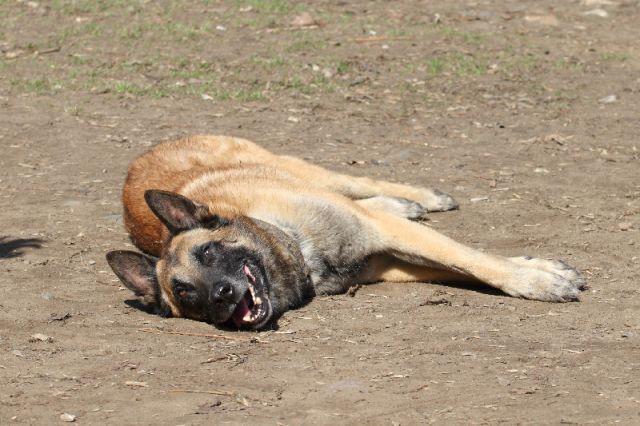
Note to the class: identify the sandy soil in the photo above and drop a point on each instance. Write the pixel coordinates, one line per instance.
(527, 112)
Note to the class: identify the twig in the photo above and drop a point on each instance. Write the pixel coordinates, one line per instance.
(210, 392)
(46, 51)
(184, 333)
(209, 360)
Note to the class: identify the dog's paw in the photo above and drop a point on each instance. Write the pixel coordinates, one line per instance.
(406, 208)
(437, 201)
(547, 280)
(398, 206)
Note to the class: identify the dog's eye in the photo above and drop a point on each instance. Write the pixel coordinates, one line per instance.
(205, 254)
(182, 290)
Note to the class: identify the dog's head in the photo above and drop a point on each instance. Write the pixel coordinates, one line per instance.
(235, 270)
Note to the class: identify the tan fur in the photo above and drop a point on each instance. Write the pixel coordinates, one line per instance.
(234, 177)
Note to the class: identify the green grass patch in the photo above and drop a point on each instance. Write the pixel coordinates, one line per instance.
(614, 57)
(343, 67)
(38, 86)
(468, 37)
(267, 6)
(571, 64)
(269, 63)
(75, 7)
(306, 42)
(519, 64)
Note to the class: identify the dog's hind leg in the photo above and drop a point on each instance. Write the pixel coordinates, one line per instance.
(529, 278)
(362, 187)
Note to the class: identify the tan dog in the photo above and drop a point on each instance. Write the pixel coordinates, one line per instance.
(243, 235)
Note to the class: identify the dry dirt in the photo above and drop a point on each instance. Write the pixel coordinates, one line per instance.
(527, 112)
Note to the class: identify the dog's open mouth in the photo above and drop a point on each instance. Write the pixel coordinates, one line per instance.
(254, 308)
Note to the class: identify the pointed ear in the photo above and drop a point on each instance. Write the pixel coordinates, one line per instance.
(178, 213)
(136, 271)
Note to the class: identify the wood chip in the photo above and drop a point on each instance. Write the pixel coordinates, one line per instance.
(133, 383)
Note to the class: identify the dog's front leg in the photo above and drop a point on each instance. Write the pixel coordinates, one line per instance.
(526, 277)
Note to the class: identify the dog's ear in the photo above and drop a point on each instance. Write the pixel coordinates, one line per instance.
(137, 271)
(178, 213)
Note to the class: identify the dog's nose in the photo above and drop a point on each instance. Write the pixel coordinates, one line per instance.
(223, 292)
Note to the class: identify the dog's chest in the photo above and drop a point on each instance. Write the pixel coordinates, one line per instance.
(331, 242)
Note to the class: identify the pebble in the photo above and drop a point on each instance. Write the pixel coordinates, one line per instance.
(625, 226)
(601, 13)
(304, 20)
(66, 417)
(40, 337)
(609, 99)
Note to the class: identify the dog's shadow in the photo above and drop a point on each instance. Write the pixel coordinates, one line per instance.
(10, 248)
(273, 324)
(141, 306)
(473, 286)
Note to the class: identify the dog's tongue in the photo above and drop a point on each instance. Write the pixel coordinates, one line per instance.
(241, 311)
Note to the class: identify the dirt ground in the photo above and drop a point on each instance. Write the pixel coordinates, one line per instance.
(527, 112)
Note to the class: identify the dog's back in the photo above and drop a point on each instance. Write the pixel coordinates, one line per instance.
(172, 165)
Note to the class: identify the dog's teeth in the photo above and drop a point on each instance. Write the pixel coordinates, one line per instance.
(256, 300)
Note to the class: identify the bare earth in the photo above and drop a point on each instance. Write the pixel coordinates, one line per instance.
(527, 112)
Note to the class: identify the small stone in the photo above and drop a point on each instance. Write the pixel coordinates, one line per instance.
(625, 226)
(609, 99)
(601, 13)
(304, 20)
(206, 97)
(66, 417)
(39, 337)
(221, 28)
(541, 170)
(293, 119)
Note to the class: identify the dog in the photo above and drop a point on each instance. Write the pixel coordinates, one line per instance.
(235, 236)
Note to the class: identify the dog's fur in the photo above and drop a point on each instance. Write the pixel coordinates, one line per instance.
(235, 234)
